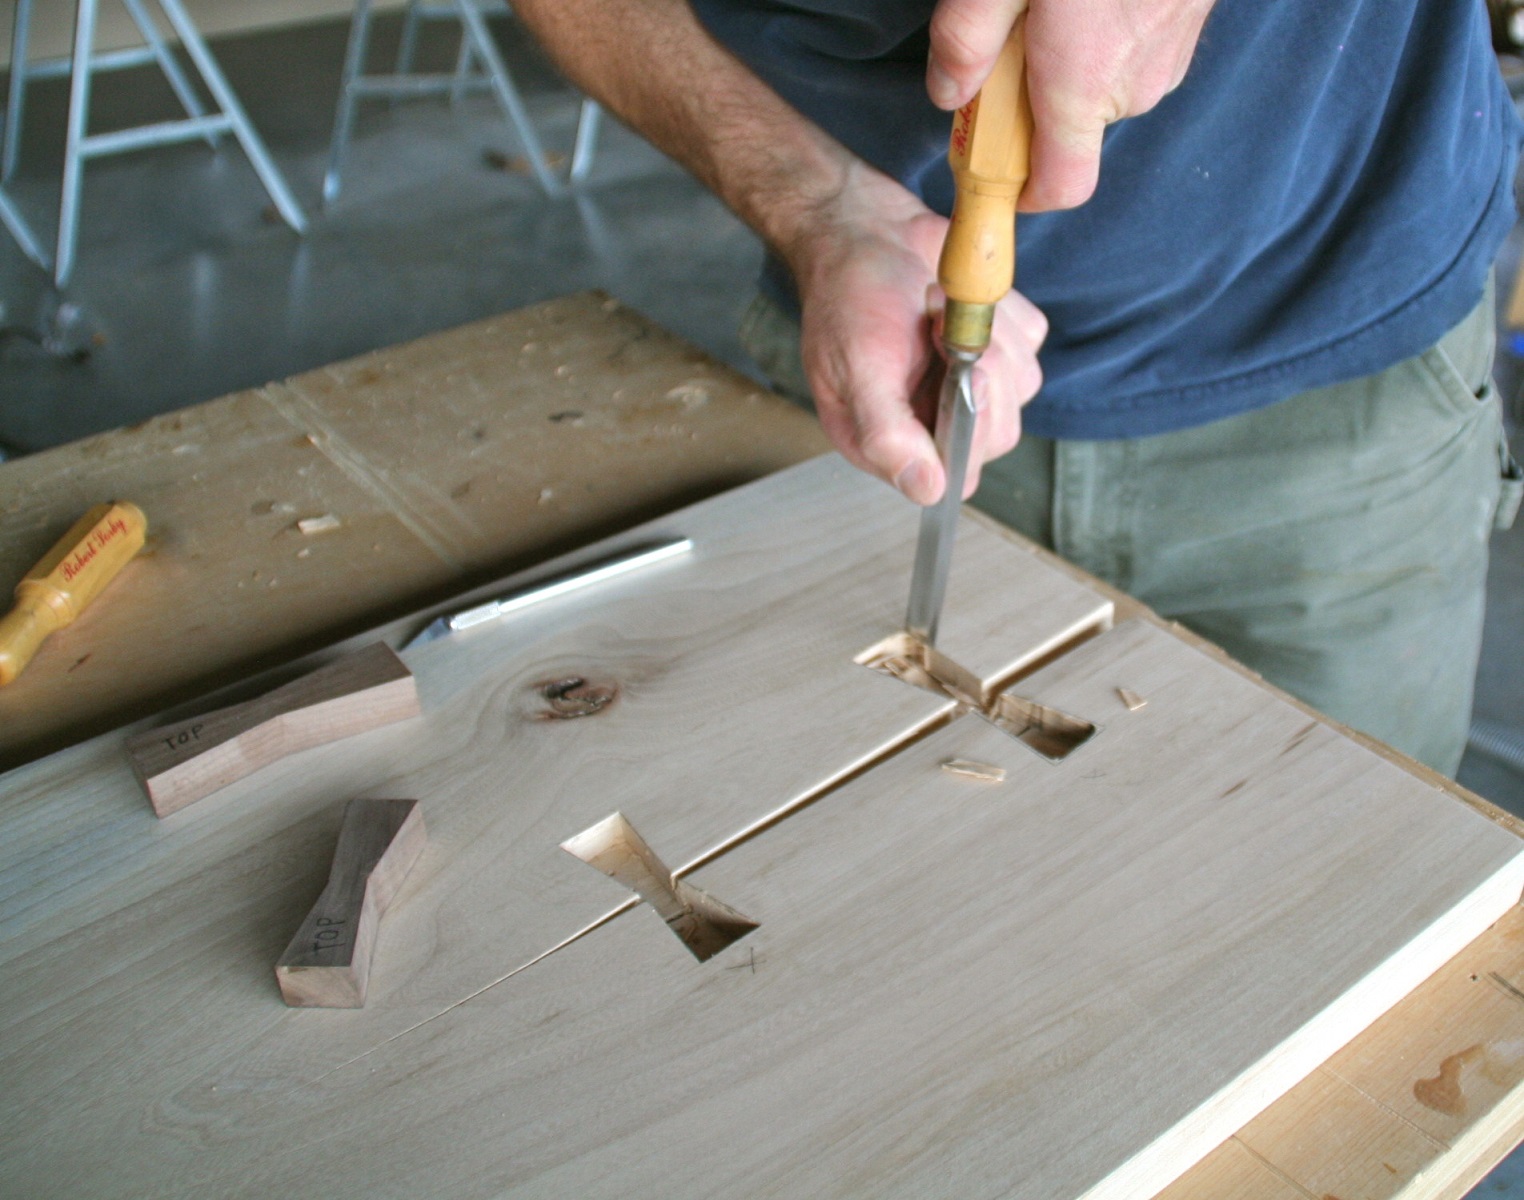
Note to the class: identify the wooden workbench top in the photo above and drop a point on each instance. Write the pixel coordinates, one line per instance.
(466, 455)
(440, 464)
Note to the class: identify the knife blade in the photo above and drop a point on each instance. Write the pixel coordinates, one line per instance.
(549, 589)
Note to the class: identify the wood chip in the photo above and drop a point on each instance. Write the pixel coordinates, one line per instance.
(690, 395)
(1131, 699)
(974, 770)
(324, 524)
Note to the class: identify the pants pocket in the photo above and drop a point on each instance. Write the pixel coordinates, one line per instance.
(1460, 363)
(1454, 393)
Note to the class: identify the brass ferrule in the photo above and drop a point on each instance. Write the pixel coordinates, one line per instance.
(967, 326)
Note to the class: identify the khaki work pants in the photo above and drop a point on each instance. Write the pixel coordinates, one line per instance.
(1335, 542)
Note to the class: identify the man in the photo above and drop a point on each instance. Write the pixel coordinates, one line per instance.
(1260, 234)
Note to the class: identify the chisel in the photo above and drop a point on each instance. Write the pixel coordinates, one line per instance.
(988, 152)
(70, 575)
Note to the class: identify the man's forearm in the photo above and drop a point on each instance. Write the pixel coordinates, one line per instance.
(653, 64)
(862, 248)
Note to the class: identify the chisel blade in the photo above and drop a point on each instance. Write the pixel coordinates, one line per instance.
(939, 522)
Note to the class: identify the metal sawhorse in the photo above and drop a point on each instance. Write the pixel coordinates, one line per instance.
(16, 226)
(81, 145)
(478, 66)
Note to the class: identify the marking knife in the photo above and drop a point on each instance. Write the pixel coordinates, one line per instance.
(560, 585)
(990, 144)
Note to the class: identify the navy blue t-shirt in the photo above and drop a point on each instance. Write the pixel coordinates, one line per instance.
(1321, 198)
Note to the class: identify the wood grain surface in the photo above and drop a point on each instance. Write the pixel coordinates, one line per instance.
(1072, 983)
(737, 698)
(447, 462)
(1422, 1105)
(1050, 988)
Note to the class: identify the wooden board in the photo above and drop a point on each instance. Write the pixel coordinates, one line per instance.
(327, 964)
(916, 896)
(738, 697)
(181, 762)
(1063, 986)
(448, 462)
(197, 469)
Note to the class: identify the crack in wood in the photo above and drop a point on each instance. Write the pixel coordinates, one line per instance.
(967, 687)
(719, 850)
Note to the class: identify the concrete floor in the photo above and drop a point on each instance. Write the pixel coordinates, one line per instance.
(189, 290)
(185, 289)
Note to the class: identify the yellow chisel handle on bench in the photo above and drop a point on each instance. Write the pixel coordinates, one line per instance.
(71, 574)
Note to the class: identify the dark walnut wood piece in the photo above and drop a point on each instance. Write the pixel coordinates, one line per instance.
(327, 964)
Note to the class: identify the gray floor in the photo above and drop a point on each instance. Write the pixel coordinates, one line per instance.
(185, 288)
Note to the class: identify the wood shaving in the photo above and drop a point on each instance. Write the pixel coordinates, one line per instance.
(969, 769)
(324, 524)
(1131, 699)
(690, 395)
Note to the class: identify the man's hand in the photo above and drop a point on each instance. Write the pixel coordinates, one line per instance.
(1089, 63)
(862, 249)
(867, 284)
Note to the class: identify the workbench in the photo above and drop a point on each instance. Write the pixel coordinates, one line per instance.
(300, 514)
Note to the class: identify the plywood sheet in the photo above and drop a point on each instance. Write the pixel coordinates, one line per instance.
(1449, 1053)
(737, 697)
(443, 463)
(1419, 1106)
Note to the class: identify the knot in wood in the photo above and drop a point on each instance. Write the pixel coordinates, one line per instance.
(574, 696)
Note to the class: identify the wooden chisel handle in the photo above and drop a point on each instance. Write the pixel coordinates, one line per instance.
(70, 575)
(989, 151)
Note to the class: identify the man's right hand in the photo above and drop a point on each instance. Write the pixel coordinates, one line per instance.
(867, 274)
(1089, 63)
(863, 250)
